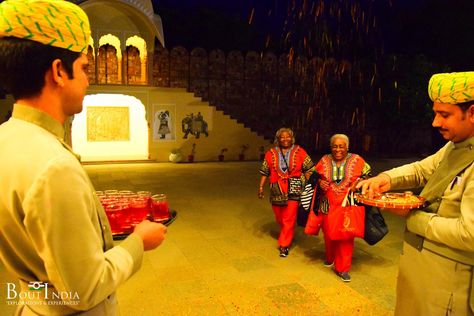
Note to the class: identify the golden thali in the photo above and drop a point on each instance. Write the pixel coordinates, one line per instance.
(405, 200)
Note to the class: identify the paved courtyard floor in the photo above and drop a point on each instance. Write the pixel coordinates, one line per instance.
(220, 255)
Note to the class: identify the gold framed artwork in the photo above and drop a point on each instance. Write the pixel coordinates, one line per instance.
(108, 123)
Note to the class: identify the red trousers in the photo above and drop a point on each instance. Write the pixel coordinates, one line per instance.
(338, 251)
(285, 216)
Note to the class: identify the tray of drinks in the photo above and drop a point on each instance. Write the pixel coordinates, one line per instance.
(125, 209)
(167, 222)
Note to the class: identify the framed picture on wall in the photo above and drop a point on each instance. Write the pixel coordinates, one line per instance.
(196, 122)
(164, 123)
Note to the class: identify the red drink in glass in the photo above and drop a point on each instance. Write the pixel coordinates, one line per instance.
(159, 208)
(139, 209)
(116, 216)
(127, 217)
(146, 195)
(111, 193)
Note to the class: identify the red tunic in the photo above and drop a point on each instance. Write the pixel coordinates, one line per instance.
(278, 173)
(339, 252)
(298, 162)
(353, 169)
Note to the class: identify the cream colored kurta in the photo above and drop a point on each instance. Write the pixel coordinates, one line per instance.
(52, 227)
(436, 279)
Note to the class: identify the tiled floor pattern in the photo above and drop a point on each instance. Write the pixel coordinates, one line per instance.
(220, 256)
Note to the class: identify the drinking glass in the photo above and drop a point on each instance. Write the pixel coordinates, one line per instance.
(159, 208)
(116, 216)
(139, 209)
(111, 192)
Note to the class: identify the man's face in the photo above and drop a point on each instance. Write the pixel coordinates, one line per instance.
(453, 124)
(76, 87)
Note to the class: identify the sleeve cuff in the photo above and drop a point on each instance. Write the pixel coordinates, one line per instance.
(134, 245)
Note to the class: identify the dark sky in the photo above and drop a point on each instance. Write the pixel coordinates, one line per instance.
(440, 29)
(216, 24)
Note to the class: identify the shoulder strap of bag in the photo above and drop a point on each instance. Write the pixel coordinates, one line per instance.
(345, 200)
(284, 159)
(313, 199)
(349, 198)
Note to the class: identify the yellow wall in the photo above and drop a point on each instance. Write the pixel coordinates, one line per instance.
(224, 132)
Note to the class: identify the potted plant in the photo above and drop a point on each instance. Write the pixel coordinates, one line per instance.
(193, 151)
(175, 155)
(262, 152)
(221, 156)
(242, 152)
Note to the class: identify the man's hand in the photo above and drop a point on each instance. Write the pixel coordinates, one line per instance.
(378, 184)
(151, 233)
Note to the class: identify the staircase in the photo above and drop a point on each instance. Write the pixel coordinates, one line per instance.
(254, 90)
(245, 108)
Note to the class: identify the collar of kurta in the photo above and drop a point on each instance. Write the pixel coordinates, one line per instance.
(466, 143)
(456, 159)
(40, 118)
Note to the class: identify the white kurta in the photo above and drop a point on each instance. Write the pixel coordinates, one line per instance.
(437, 278)
(52, 227)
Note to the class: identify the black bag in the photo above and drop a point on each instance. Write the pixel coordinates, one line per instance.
(308, 201)
(295, 187)
(375, 227)
(302, 216)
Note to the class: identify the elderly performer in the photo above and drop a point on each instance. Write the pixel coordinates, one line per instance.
(54, 235)
(338, 172)
(287, 166)
(436, 266)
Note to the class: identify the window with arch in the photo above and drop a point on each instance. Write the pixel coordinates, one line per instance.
(91, 66)
(136, 61)
(109, 60)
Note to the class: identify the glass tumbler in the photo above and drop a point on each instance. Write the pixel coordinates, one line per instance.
(159, 208)
(139, 209)
(116, 215)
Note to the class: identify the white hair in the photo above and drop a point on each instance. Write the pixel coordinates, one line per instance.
(341, 136)
(280, 131)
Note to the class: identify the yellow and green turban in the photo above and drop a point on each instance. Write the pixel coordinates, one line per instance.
(57, 23)
(452, 88)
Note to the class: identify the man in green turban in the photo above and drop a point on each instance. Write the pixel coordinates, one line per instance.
(436, 266)
(54, 235)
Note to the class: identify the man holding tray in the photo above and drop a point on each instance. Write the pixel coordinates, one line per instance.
(436, 266)
(54, 235)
